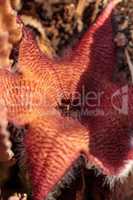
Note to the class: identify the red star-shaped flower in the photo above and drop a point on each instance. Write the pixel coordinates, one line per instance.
(100, 121)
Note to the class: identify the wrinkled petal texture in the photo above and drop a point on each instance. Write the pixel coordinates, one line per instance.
(102, 133)
(52, 147)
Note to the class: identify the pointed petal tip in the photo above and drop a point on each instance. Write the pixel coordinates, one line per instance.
(48, 161)
(117, 1)
(113, 2)
(107, 11)
(111, 5)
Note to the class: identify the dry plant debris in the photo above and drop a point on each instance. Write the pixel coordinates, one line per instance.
(18, 196)
(124, 37)
(61, 20)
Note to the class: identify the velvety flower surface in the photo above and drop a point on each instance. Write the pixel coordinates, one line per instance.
(72, 107)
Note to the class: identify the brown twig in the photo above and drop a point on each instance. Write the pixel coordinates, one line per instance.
(79, 12)
(96, 10)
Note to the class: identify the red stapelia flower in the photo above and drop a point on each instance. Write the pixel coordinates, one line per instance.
(100, 121)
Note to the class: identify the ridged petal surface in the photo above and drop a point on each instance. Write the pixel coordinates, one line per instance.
(54, 142)
(52, 147)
